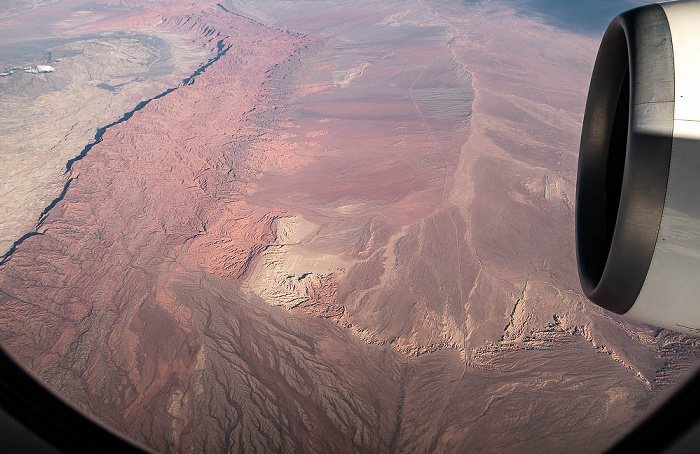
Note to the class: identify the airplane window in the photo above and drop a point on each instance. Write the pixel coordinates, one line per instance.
(330, 226)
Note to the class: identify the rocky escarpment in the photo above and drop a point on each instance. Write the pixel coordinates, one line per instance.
(291, 275)
(126, 301)
(98, 77)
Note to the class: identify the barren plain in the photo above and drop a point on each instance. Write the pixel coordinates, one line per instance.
(312, 227)
(96, 79)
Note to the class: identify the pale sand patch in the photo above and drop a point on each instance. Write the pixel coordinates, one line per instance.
(344, 78)
(352, 208)
(320, 132)
(293, 229)
(286, 272)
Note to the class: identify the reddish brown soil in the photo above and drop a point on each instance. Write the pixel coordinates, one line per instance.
(110, 303)
(431, 152)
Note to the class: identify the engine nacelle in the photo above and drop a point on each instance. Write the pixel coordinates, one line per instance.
(638, 188)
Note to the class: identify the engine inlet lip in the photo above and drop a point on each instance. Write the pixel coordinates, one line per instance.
(623, 171)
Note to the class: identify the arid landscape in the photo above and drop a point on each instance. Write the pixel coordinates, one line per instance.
(337, 226)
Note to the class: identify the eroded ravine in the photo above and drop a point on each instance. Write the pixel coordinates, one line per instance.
(221, 50)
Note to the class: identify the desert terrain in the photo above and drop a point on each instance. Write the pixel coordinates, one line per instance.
(310, 227)
(93, 80)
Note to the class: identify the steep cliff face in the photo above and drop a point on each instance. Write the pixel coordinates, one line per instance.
(100, 72)
(353, 237)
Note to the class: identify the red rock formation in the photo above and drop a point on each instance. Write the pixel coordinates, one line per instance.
(323, 299)
(114, 304)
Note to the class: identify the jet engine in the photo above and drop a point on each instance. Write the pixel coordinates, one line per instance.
(638, 187)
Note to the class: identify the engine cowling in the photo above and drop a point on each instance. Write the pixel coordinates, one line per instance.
(638, 187)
